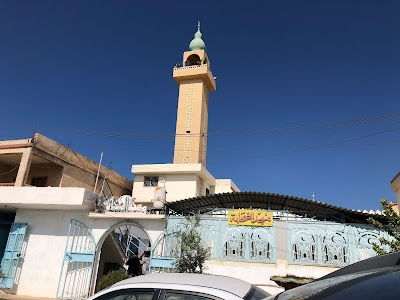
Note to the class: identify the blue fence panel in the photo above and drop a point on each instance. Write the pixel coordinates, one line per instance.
(241, 243)
(330, 244)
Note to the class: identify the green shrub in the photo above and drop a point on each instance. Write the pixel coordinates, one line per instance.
(111, 278)
(192, 254)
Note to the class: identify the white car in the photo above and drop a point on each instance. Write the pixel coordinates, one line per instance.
(181, 286)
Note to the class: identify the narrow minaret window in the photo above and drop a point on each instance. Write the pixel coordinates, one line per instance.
(195, 82)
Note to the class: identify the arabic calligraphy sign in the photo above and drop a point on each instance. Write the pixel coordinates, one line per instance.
(249, 217)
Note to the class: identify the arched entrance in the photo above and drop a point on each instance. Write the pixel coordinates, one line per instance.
(117, 244)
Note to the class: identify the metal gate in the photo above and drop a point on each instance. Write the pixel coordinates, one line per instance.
(77, 267)
(12, 253)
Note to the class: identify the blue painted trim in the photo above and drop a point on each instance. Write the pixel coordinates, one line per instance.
(12, 253)
(162, 262)
(79, 257)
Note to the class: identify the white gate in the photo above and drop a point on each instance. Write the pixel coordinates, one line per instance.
(77, 267)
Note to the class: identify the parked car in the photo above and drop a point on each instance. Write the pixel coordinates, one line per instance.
(181, 286)
(376, 278)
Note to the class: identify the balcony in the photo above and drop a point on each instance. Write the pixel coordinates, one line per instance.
(201, 71)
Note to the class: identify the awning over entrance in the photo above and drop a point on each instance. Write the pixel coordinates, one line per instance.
(299, 206)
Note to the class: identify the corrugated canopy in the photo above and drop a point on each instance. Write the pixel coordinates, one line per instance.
(268, 201)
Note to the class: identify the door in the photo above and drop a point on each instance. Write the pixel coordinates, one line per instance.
(12, 253)
(77, 266)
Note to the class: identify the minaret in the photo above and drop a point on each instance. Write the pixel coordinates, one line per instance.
(195, 82)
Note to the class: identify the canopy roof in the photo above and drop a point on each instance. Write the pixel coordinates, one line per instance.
(275, 202)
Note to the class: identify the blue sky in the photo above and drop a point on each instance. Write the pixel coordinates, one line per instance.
(97, 76)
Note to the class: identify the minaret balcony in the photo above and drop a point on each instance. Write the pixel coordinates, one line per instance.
(195, 72)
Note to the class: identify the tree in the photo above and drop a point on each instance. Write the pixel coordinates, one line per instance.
(391, 226)
(193, 253)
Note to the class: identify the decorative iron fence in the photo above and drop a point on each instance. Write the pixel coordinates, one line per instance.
(330, 244)
(308, 242)
(243, 243)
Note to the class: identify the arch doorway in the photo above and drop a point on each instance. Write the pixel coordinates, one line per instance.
(117, 245)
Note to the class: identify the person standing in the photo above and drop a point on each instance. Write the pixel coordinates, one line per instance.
(133, 265)
(145, 262)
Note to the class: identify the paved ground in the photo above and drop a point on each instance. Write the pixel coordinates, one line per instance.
(20, 297)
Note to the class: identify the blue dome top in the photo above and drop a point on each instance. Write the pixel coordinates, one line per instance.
(197, 43)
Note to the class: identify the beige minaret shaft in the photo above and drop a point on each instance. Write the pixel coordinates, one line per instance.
(195, 82)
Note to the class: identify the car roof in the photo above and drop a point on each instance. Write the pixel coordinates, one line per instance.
(371, 284)
(224, 283)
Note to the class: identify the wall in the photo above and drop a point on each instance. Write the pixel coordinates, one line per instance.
(395, 185)
(76, 177)
(178, 187)
(44, 244)
(52, 172)
(47, 198)
(78, 170)
(260, 273)
(190, 114)
(225, 186)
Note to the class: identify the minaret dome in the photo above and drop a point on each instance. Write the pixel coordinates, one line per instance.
(197, 43)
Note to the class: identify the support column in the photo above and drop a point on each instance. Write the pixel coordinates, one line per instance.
(24, 167)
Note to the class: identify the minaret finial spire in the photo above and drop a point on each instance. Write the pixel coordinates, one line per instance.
(197, 43)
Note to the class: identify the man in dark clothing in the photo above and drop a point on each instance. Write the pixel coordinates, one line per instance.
(133, 265)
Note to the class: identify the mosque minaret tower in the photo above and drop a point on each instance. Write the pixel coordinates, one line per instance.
(187, 176)
(195, 82)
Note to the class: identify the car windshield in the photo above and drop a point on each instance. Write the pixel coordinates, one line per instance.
(256, 293)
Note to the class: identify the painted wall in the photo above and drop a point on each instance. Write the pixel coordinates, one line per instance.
(225, 186)
(43, 250)
(395, 185)
(190, 115)
(41, 260)
(178, 186)
(47, 198)
(260, 273)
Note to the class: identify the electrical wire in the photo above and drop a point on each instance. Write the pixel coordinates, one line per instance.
(8, 172)
(369, 121)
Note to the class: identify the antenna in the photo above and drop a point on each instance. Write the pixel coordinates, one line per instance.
(98, 171)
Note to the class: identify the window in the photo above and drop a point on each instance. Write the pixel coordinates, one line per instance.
(187, 296)
(150, 180)
(207, 192)
(130, 294)
(39, 181)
